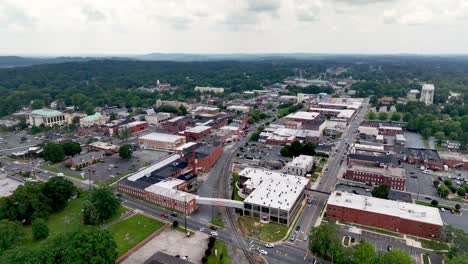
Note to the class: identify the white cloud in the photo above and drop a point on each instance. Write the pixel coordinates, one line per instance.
(92, 14)
(14, 17)
(308, 10)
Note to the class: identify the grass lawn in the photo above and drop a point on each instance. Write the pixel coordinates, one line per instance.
(434, 245)
(270, 232)
(283, 111)
(217, 222)
(64, 221)
(426, 259)
(54, 168)
(438, 206)
(235, 190)
(133, 230)
(346, 241)
(223, 257)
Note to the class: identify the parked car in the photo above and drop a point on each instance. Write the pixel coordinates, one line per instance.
(263, 252)
(293, 238)
(212, 227)
(214, 233)
(165, 215)
(269, 245)
(173, 214)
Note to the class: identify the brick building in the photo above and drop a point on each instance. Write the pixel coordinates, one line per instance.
(455, 160)
(161, 141)
(390, 176)
(175, 124)
(373, 161)
(405, 218)
(197, 132)
(206, 155)
(85, 160)
(429, 158)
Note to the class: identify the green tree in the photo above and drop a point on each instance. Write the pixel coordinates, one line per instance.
(90, 215)
(434, 203)
(448, 182)
(459, 259)
(372, 116)
(10, 234)
(255, 136)
(383, 116)
(125, 151)
(457, 207)
(125, 134)
(40, 230)
(86, 245)
(113, 116)
(395, 117)
(182, 110)
(426, 133)
(59, 190)
(381, 191)
(285, 152)
(440, 136)
(71, 148)
(395, 256)
(104, 203)
(325, 243)
(296, 148)
(38, 104)
(443, 191)
(363, 253)
(461, 191)
(53, 152)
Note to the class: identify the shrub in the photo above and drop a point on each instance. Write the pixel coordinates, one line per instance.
(457, 207)
(175, 224)
(434, 203)
(40, 230)
(212, 239)
(207, 252)
(204, 260)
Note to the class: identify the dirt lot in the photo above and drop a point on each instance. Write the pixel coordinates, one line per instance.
(172, 242)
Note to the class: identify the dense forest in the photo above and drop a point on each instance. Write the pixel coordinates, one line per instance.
(113, 82)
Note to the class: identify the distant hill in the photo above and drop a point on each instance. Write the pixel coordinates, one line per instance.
(17, 61)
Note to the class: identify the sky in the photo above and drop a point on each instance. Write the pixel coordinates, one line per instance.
(72, 27)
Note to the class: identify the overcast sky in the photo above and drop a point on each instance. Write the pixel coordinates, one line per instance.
(233, 26)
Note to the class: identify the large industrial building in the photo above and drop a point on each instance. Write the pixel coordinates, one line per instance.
(161, 141)
(271, 196)
(46, 117)
(406, 218)
(394, 177)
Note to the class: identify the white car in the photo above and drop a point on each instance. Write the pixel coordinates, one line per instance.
(202, 229)
(214, 233)
(269, 245)
(263, 252)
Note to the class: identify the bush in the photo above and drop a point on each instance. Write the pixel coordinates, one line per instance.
(210, 245)
(434, 203)
(40, 230)
(212, 240)
(436, 183)
(207, 252)
(204, 260)
(457, 207)
(175, 224)
(461, 191)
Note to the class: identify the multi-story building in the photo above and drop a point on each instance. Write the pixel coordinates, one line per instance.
(175, 124)
(413, 95)
(93, 120)
(161, 141)
(427, 94)
(394, 177)
(202, 89)
(239, 108)
(206, 155)
(299, 166)
(372, 160)
(156, 118)
(302, 116)
(46, 117)
(108, 148)
(271, 196)
(455, 160)
(429, 158)
(135, 127)
(405, 218)
(194, 133)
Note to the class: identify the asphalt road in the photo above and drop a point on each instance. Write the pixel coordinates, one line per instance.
(311, 214)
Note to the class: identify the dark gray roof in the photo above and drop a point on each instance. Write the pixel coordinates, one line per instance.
(87, 156)
(163, 258)
(385, 159)
(428, 155)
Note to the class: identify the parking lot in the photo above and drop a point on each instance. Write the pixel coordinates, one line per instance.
(13, 142)
(382, 243)
(418, 182)
(114, 166)
(255, 151)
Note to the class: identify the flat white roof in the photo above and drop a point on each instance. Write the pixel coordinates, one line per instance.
(162, 137)
(390, 127)
(369, 147)
(428, 86)
(156, 166)
(197, 129)
(347, 113)
(170, 183)
(302, 161)
(171, 193)
(186, 145)
(303, 115)
(103, 145)
(403, 210)
(273, 189)
(232, 128)
(175, 119)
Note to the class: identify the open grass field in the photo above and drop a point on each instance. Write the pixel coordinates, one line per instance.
(222, 257)
(270, 232)
(133, 230)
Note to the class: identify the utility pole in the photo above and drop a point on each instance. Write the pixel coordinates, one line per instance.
(185, 213)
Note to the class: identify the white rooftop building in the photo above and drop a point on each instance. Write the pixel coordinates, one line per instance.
(299, 166)
(427, 94)
(272, 196)
(302, 115)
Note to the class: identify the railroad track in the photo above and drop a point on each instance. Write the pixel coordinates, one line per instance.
(224, 187)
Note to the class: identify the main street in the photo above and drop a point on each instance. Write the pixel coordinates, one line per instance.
(310, 215)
